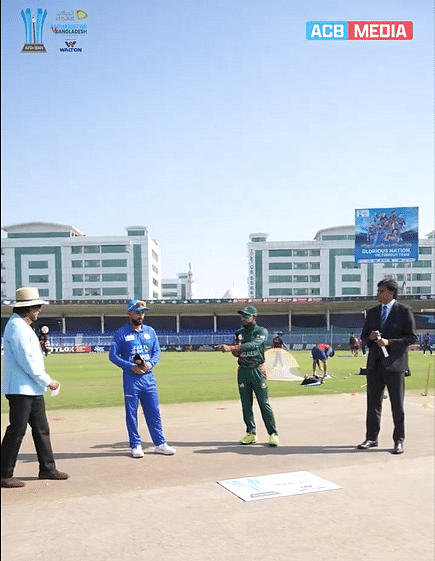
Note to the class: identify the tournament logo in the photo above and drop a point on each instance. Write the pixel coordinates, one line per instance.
(33, 26)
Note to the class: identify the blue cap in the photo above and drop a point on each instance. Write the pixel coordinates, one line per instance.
(137, 306)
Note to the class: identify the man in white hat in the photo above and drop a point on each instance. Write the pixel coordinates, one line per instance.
(24, 383)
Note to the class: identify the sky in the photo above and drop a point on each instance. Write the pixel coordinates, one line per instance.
(209, 120)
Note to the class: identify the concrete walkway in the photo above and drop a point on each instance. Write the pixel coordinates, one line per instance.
(162, 508)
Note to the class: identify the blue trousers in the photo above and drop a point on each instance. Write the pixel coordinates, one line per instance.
(142, 389)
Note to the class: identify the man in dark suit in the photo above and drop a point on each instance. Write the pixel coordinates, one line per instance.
(388, 331)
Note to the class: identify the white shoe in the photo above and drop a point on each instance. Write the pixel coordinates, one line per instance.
(164, 449)
(137, 452)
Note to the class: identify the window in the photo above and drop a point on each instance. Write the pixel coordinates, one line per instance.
(77, 292)
(115, 291)
(155, 269)
(114, 277)
(276, 266)
(155, 295)
(113, 249)
(92, 291)
(155, 256)
(425, 250)
(280, 292)
(155, 282)
(76, 249)
(3, 266)
(77, 278)
(167, 285)
(350, 291)
(280, 278)
(38, 278)
(314, 278)
(92, 263)
(314, 253)
(76, 264)
(300, 266)
(421, 276)
(351, 278)
(314, 291)
(91, 249)
(300, 252)
(280, 252)
(300, 278)
(300, 291)
(351, 265)
(38, 264)
(421, 290)
(315, 265)
(92, 278)
(337, 237)
(43, 292)
(114, 263)
(421, 264)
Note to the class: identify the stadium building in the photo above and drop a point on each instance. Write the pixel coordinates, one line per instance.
(312, 291)
(325, 267)
(64, 263)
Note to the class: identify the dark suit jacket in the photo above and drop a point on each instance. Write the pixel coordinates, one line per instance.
(399, 329)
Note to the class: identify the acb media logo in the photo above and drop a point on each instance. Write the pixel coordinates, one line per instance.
(359, 30)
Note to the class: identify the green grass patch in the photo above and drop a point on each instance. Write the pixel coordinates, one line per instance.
(91, 380)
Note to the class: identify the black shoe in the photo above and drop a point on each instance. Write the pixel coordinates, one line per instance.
(367, 444)
(55, 474)
(11, 482)
(398, 448)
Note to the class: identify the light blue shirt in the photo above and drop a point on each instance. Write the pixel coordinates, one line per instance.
(23, 361)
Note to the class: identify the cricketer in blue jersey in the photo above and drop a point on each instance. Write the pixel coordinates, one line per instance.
(135, 348)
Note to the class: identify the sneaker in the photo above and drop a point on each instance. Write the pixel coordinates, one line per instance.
(55, 474)
(164, 449)
(249, 438)
(137, 452)
(273, 439)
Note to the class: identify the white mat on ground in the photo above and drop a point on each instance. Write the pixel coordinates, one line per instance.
(281, 365)
(278, 485)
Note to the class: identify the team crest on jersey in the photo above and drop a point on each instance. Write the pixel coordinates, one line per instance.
(129, 337)
(147, 336)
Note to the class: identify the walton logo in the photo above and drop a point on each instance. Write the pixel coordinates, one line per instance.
(70, 47)
(359, 30)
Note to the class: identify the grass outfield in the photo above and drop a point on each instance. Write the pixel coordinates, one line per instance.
(90, 380)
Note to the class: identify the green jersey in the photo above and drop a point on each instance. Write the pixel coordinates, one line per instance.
(253, 343)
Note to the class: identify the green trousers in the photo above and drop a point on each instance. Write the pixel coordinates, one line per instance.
(253, 380)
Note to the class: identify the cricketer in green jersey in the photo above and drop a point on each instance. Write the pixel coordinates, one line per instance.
(249, 348)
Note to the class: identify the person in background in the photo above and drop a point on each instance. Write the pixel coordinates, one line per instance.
(251, 377)
(135, 348)
(320, 354)
(277, 342)
(354, 344)
(388, 331)
(425, 346)
(24, 383)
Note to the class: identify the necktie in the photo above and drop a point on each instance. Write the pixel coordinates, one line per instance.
(383, 315)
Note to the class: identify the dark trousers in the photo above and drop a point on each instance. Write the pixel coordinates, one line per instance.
(377, 379)
(253, 380)
(23, 410)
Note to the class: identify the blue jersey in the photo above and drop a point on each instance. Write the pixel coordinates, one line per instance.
(127, 343)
